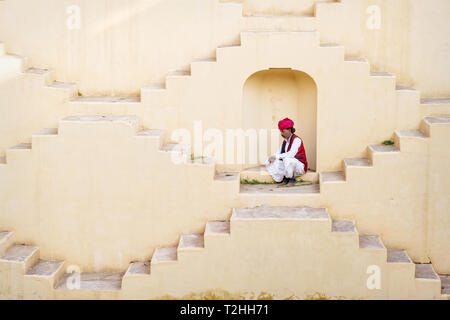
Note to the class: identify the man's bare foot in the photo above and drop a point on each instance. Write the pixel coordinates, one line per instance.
(283, 183)
(291, 182)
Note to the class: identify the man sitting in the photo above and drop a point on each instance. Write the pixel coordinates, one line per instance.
(290, 162)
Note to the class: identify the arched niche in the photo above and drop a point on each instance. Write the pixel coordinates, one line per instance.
(273, 94)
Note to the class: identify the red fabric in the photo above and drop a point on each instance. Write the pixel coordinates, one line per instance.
(301, 154)
(285, 124)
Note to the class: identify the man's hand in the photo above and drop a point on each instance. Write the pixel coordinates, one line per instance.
(272, 159)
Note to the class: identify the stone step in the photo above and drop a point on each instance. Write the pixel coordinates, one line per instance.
(409, 140)
(94, 100)
(102, 105)
(435, 101)
(330, 45)
(46, 75)
(425, 271)
(379, 152)
(360, 64)
(157, 135)
(405, 134)
(280, 23)
(19, 63)
(164, 256)
(398, 256)
(309, 38)
(273, 189)
(260, 174)
(435, 107)
(47, 132)
(96, 281)
(382, 75)
(400, 87)
(73, 124)
(370, 242)
(201, 67)
(21, 146)
(139, 268)
(332, 177)
(353, 165)
(21, 254)
(175, 147)
(437, 120)
(71, 88)
(280, 213)
(383, 149)
(191, 242)
(151, 133)
(225, 52)
(45, 268)
(343, 226)
(428, 123)
(357, 162)
(217, 228)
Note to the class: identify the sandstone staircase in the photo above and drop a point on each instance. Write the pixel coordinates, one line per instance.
(27, 276)
(22, 267)
(168, 270)
(404, 141)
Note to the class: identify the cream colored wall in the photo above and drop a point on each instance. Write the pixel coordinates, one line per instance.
(438, 200)
(71, 186)
(122, 47)
(411, 42)
(102, 202)
(353, 110)
(27, 102)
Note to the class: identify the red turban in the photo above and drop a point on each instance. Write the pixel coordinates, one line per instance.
(285, 124)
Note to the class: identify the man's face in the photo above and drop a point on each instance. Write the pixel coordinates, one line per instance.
(285, 133)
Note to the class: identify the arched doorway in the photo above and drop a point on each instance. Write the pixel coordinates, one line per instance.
(273, 94)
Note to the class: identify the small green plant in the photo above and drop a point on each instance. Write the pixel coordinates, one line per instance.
(193, 157)
(254, 181)
(388, 142)
(303, 183)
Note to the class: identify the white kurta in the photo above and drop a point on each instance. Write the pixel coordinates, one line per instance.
(290, 167)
